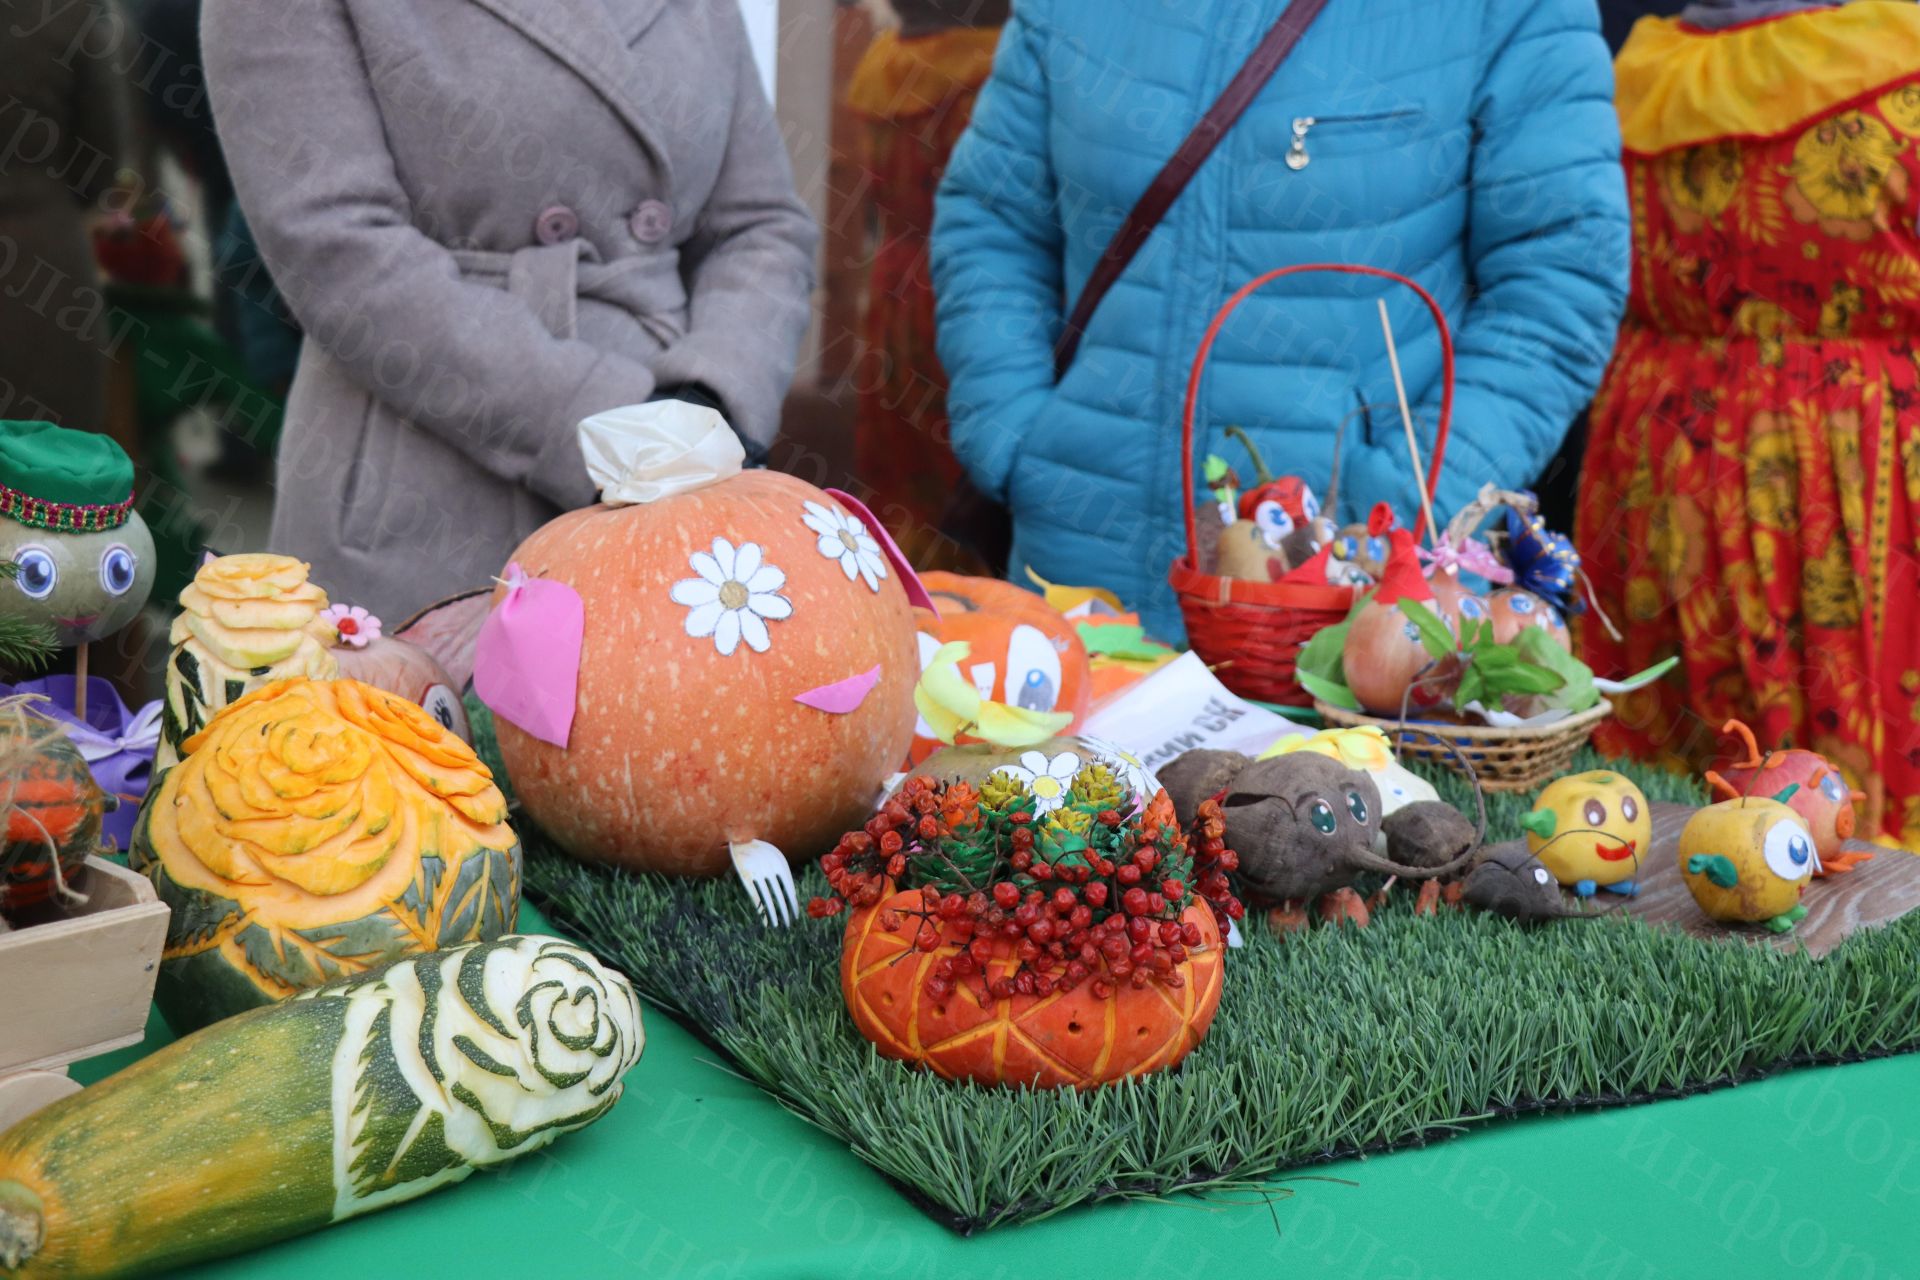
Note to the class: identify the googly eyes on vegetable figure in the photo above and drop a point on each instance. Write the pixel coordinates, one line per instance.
(83, 584)
(1747, 860)
(1814, 789)
(37, 575)
(1033, 670)
(118, 568)
(1275, 524)
(1788, 850)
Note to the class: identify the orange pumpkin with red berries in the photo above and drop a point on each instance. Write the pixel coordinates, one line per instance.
(1070, 944)
(1023, 651)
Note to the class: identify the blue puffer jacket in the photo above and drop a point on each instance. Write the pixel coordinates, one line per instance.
(1471, 145)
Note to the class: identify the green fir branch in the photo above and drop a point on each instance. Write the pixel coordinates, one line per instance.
(26, 646)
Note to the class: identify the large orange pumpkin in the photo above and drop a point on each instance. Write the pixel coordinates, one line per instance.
(1075, 1038)
(1025, 653)
(708, 613)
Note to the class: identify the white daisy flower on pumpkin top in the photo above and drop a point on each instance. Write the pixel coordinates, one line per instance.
(1048, 780)
(734, 597)
(844, 537)
(1125, 766)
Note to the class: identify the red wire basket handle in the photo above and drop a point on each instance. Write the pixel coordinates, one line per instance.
(1213, 332)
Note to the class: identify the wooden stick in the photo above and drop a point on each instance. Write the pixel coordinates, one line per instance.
(1406, 420)
(80, 683)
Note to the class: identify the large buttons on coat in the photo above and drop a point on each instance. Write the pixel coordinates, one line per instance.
(651, 221)
(556, 224)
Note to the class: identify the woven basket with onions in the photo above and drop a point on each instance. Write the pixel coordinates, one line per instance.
(1249, 631)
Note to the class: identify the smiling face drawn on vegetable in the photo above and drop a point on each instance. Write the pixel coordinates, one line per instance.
(1021, 651)
(1591, 830)
(86, 586)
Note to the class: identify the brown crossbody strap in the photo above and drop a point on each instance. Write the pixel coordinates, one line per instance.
(1178, 172)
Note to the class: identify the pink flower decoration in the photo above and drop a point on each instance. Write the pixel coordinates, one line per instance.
(356, 626)
(1470, 555)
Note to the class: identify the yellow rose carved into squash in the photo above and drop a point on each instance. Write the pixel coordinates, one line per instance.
(317, 829)
(244, 621)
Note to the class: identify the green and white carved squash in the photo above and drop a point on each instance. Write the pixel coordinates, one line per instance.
(357, 1095)
(244, 621)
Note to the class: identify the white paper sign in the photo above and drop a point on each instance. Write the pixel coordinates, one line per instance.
(1181, 708)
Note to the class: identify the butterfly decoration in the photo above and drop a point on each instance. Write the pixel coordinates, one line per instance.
(1543, 562)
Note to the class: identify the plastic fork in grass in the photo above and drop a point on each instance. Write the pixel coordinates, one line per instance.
(764, 871)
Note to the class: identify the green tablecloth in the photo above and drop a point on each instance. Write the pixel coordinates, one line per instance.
(696, 1174)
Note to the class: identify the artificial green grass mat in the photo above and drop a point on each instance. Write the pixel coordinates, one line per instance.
(1334, 1041)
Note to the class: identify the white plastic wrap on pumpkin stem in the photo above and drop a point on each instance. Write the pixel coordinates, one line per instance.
(645, 452)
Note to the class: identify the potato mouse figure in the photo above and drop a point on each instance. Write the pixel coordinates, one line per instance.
(1508, 881)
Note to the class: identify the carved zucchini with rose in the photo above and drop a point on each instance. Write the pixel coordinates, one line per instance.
(360, 1094)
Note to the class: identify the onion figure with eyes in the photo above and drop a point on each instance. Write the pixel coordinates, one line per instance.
(84, 558)
(1748, 860)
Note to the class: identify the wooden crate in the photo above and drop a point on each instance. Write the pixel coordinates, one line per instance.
(77, 987)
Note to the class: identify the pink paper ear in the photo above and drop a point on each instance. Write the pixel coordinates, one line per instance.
(916, 592)
(526, 662)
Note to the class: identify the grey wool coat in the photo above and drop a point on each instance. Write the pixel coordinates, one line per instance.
(494, 218)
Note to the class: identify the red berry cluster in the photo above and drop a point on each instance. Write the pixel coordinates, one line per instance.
(1213, 862)
(1106, 913)
(866, 863)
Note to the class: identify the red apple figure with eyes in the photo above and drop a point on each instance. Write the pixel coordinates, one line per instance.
(1822, 797)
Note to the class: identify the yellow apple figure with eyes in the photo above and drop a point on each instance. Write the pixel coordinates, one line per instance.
(1748, 860)
(84, 560)
(1590, 830)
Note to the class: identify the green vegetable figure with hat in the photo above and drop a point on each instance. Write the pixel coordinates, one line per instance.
(81, 559)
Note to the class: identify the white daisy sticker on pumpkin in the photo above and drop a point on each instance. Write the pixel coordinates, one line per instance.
(734, 597)
(1048, 780)
(845, 538)
(1125, 766)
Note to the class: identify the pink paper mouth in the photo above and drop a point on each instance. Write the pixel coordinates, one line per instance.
(842, 697)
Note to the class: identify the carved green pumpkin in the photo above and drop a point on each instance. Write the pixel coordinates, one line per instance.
(317, 829)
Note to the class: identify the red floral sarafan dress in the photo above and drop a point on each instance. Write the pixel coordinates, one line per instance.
(1751, 492)
(915, 97)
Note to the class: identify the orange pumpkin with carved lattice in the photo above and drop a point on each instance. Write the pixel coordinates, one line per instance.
(1077, 1039)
